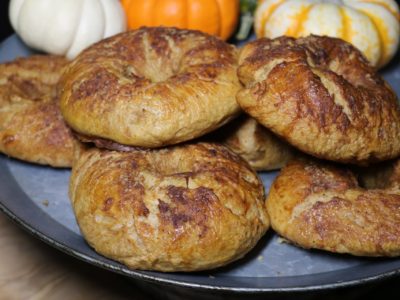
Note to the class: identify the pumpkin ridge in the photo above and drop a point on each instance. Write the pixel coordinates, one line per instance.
(302, 16)
(220, 16)
(219, 21)
(345, 23)
(73, 41)
(385, 6)
(186, 12)
(152, 13)
(228, 21)
(383, 38)
(210, 16)
(103, 8)
(267, 15)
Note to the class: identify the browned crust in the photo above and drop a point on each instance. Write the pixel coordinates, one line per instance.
(31, 126)
(151, 87)
(320, 94)
(315, 205)
(182, 208)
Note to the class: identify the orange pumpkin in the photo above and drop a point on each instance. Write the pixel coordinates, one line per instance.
(217, 17)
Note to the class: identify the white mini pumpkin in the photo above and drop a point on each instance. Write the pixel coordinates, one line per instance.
(370, 25)
(65, 27)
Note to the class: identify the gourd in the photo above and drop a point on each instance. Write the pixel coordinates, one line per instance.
(217, 17)
(65, 27)
(370, 25)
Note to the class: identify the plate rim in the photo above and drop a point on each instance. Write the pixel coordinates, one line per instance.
(150, 276)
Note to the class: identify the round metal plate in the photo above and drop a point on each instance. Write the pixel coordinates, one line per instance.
(36, 198)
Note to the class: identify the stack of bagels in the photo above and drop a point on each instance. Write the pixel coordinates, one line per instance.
(165, 128)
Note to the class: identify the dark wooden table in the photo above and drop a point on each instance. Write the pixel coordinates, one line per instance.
(30, 269)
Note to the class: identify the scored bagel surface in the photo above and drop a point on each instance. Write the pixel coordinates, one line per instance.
(317, 205)
(151, 87)
(321, 95)
(31, 125)
(182, 208)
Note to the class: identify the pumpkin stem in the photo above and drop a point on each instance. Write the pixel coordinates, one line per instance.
(246, 23)
(247, 8)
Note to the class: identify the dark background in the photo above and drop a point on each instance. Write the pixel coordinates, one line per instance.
(5, 27)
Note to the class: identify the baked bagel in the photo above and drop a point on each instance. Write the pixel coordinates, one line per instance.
(151, 87)
(183, 208)
(31, 125)
(316, 205)
(255, 143)
(321, 95)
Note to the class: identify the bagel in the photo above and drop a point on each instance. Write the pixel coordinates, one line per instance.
(316, 205)
(262, 149)
(182, 208)
(151, 87)
(31, 125)
(321, 95)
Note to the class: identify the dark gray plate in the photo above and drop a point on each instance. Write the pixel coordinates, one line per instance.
(36, 198)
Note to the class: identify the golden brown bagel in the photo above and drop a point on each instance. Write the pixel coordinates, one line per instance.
(151, 87)
(320, 95)
(183, 208)
(316, 205)
(256, 144)
(31, 125)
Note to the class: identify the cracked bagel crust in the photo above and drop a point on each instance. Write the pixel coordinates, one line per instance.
(184, 208)
(31, 125)
(316, 205)
(151, 87)
(321, 95)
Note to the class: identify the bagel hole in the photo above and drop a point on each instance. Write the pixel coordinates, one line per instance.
(129, 72)
(162, 58)
(133, 74)
(153, 73)
(378, 176)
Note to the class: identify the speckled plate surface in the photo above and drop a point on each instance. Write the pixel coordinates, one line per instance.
(36, 197)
